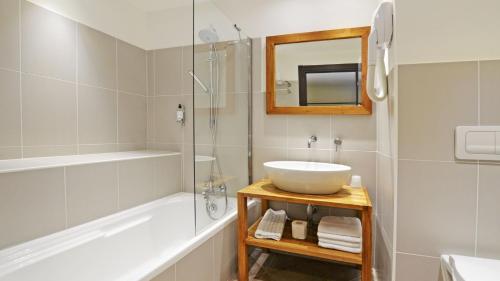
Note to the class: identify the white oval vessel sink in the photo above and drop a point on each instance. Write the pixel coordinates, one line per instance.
(308, 177)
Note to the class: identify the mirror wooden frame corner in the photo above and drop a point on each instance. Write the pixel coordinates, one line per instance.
(365, 108)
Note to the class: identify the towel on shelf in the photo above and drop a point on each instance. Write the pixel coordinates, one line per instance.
(336, 237)
(345, 226)
(339, 247)
(340, 243)
(271, 226)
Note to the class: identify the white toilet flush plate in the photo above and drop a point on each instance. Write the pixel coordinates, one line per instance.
(477, 143)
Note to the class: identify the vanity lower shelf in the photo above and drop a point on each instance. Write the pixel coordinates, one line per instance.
(308, 247)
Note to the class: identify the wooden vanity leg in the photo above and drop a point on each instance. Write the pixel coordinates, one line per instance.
(366, 221)
(242, 235)
(264, 205)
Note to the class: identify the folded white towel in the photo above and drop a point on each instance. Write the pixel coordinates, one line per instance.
(347, 226)
(340, 243)
(339, 237)
(271, 226)
(340, 248)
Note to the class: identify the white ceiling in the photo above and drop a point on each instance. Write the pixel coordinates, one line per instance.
(160, 5)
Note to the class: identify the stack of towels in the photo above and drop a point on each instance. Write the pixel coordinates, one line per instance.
(340, 233)
(271, 226)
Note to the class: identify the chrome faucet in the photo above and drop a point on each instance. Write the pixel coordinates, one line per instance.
(312, 139)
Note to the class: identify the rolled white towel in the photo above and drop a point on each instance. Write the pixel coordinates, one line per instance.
(340, 243)
(347, 226)
(271, 226)
(339, 237)
(340, 248)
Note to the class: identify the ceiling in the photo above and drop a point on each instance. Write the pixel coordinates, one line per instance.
(160, 5)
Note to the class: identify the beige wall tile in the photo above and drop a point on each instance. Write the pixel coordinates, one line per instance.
(436, 208)
(417, 268)
(268, 130)
(49, 111)
(131, 146)
(188, 125)
(96, 58)
(136, 178)
(262, 155)
(31, 205)
(92, 192)
(168, 71)
(433, 100)
(49, 150)
(10, 108)
(132, 68)
(232, 126)
(151, 75)
(48, 43)
(167, 130)
(363, 164)
(225, 252)
(300, 128)
(257, 71)
(315, 155)
(168, 175)
(188, 168)
(132, 115)
(385, 194)
(202, 257)
(150, 126)
(9, 34)
(187, 65)
(167, 275)
(356, 132)
(97, 148)
(488, 244)
(489, 92)
(10, 152)
(96, 115)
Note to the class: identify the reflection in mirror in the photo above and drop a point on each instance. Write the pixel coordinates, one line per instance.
(319, 73)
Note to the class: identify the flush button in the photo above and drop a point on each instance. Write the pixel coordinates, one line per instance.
(481, 142)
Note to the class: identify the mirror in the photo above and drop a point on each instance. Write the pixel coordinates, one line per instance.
(318, 72)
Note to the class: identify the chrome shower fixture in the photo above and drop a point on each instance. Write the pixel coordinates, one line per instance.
(203, 87)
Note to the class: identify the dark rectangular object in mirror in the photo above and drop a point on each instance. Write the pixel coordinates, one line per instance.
(329, 84)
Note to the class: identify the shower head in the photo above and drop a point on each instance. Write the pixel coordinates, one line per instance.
(208, 35)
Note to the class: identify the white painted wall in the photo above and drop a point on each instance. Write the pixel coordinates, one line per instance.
(447, 30)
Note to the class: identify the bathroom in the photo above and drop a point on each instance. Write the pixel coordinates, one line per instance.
(142, 140)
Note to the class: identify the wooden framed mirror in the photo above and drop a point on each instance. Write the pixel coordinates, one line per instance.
(322, 72)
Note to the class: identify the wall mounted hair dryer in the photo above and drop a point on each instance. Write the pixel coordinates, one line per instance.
(380, 40)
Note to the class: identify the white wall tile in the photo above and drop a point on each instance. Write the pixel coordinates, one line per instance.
(262, 155)
(10, 109)
(92, 192)
(9, 34)
(385, 194)
(225, 253)
(436, 208)
(96, 58)
(268, 130)
(31, 205)
(132, 68)
(96, 115)
(49, 111)
(356, 132)
(48, 43)
(363, 164)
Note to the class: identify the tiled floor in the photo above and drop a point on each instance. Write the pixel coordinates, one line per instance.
(280, 267)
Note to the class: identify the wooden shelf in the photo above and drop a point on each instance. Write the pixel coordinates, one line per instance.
(347, 197)
(308, 247)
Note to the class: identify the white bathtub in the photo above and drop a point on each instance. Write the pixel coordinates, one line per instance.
(136, 244)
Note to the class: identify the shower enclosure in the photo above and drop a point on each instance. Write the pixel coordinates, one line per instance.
(221, 77)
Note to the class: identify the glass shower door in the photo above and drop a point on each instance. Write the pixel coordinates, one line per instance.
(221, 93)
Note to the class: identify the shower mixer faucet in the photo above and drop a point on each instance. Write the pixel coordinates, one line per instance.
(311, 139)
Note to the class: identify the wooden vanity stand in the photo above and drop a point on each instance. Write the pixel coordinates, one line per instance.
(348, 198)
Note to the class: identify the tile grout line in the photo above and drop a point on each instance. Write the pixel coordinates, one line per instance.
(77, 81)
(65, 198)
(20, 76)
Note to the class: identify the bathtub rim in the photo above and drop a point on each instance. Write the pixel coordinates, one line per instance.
(21, 255)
